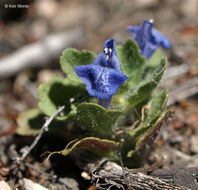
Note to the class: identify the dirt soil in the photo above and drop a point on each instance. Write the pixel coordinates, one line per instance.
(177, 144)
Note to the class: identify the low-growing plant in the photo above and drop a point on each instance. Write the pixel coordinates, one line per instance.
(107, 97)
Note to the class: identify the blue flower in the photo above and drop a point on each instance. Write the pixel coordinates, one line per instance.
(148, 38)
(103, 77)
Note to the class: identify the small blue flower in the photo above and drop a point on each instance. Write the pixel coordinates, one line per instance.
(101, 82)
(148, 38)
(103, 77)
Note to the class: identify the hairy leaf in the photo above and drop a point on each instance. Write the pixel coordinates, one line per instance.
(31, 121)
(149, 137)
(101, 146)
(71, 58)
(158, 105)
(58, 92)
(145, 88)
(132, 63)
(156, 58)
(96, 119)
(150, 118)
(152, 64)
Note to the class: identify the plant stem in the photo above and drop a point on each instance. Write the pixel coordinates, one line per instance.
(106, 103)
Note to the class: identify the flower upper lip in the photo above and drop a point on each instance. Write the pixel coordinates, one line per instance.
(109, 49)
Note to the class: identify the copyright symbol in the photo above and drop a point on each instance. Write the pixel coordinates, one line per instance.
(6, 5)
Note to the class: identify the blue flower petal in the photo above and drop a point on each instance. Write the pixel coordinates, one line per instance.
(100, 60)
(149, 49)
(148, 39)
(103, 77)
(101, 82)
(114, 63)
(133, 28)
(161, 39)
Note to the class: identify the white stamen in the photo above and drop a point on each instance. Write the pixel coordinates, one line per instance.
(71, 100)
(106, 50)
(107, 57)
(151, 20)
(110, 50)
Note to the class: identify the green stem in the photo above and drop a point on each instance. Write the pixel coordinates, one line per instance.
(106, 103)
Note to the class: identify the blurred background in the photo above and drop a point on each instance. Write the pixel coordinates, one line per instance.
(33, 20)
(33, 34)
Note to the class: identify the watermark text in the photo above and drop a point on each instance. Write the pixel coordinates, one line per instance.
(16, 6)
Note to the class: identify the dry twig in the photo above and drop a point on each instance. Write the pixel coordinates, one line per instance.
(108, 174)
(44, 128)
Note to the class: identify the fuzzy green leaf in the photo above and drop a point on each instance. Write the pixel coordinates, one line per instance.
(58, 92)
(150, 118)
(103, 147)
(152, 64)
(158, 105)
(31, 121)
(155, 59)
(96, 119)
(71, 58)
(145, 88)
(132, 63)
(159, 101)
(149, 137)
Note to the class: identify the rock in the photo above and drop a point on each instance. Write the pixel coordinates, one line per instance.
(30, 185)
(70, 184)
(194, 144)
(189, 8)
(146, 3)
(46, 8)
(4, 186)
